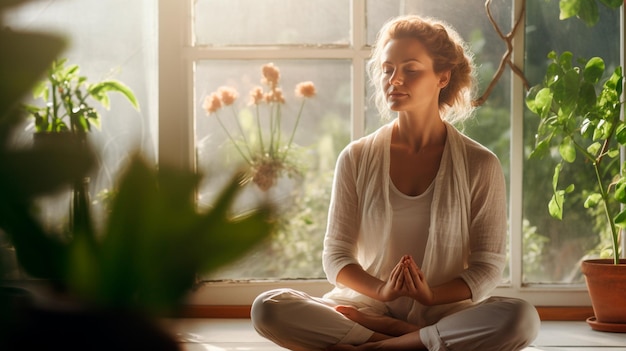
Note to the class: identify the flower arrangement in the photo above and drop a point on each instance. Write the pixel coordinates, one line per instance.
(267, 154)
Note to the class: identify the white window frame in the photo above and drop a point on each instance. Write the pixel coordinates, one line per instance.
(176, 139)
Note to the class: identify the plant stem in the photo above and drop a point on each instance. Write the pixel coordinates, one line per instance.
(277, 126)
(232, 140)
(293, 132)
(243, 135)
(258, 122)
(607, 212)
(271, 149)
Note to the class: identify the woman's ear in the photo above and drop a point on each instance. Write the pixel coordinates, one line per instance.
(444, 79)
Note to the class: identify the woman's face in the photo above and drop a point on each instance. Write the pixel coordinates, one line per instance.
(408, 80)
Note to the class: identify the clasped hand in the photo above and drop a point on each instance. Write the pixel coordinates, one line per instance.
(406, 279)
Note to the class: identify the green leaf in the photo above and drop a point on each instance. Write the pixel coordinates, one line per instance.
(594, 148)
(541, 102)
(594, 69)
(593, 200)
(621, 133)
(569, 8)
(589, 12)
(567, 150)
(620, 219)
(541, 149)
(566, 90)
(100, 90)
(620, 191)
(615, 81)
(553, 72)
(555, 206)
(586, 96)
(565, 60)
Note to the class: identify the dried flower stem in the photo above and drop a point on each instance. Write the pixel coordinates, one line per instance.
(243, 135)
(258, 122)
(293, 132)
(232, 139)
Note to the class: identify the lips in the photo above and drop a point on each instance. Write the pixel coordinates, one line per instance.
(395, 94)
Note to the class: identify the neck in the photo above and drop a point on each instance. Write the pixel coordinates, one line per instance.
(417, 134)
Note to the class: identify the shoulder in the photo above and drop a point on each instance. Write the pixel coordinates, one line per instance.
(480, 160)
(366, 145)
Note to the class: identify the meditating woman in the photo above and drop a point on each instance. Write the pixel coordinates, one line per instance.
(417, 223)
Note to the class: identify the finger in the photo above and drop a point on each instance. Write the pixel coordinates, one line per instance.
(412, 262)
(409, 279)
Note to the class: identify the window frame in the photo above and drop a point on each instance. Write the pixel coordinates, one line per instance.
(176, 138)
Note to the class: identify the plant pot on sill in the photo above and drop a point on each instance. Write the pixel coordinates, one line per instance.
(607, 288)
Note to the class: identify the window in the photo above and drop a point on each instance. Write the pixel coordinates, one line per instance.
(176, 52)
(125, 51)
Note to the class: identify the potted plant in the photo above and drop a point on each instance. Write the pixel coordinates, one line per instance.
(580, 117)
(67, 112)
(579, 111)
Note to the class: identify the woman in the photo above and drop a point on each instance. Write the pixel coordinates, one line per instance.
(417, 222)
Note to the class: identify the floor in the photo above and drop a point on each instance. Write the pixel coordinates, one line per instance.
(238, 335)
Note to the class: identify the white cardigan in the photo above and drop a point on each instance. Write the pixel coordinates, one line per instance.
(468, 225)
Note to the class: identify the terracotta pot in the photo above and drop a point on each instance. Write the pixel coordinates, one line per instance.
(607, 288)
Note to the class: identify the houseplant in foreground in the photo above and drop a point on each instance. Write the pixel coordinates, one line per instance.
(117, 280)
(579, 115)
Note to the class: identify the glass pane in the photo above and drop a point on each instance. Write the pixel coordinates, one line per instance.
(322, 132)
(491, 123)
(271, 22)
(554, 248)
(125, 51)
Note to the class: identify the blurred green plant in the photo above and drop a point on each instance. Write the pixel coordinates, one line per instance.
(155, 239)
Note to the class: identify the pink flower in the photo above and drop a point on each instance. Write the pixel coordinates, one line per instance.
(228, 95)
(305, 89)
(212, 103)
(276, 95)
(271, 75)
(256, 96)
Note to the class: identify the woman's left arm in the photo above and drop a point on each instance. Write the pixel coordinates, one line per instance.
(488, 225)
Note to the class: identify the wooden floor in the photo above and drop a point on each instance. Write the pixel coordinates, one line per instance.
(196, 334)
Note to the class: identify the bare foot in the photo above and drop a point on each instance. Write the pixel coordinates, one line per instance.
(380, 324)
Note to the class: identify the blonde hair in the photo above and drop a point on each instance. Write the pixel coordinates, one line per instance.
(449, 53)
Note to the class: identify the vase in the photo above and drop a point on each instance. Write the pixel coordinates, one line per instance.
(606, 282)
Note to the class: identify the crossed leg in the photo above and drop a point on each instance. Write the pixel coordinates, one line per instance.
(390, 333)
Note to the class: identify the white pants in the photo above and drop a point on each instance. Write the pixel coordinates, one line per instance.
(297, 321)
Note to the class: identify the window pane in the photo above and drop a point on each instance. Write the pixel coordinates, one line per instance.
(271, 22)
(554, 248)
(323, 130)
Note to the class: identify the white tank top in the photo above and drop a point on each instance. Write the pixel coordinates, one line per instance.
(409, 234)
(410, 224)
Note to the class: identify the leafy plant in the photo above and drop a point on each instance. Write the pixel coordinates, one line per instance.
(580, 115)
(155, 239)
(67, 98)
(586, 10)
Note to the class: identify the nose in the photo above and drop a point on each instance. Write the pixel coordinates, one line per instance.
(396, 78)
